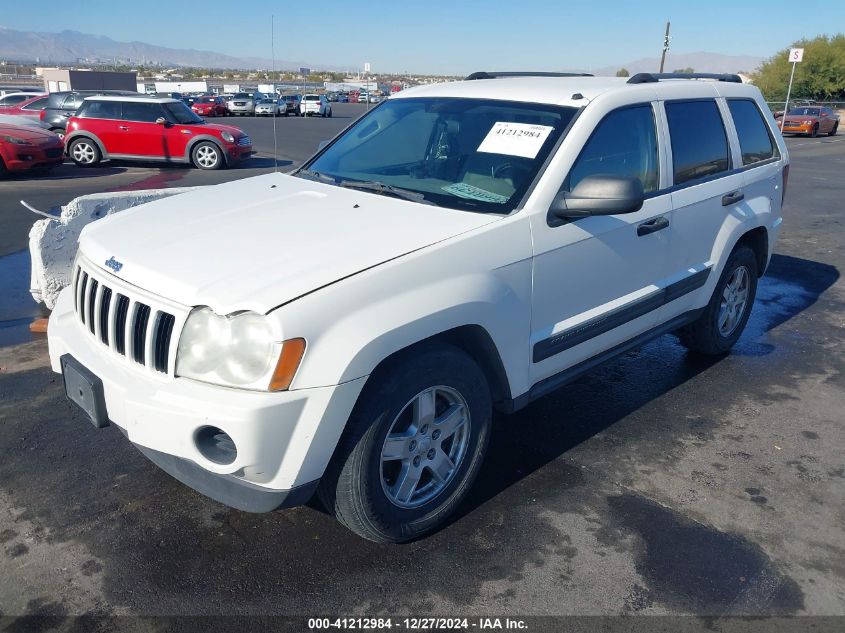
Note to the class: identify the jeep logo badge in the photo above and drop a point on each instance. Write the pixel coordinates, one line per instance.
(115, 265)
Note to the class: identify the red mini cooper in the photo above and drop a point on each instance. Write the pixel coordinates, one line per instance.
(156, 129)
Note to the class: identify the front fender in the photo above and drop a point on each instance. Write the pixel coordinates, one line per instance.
(483, 280)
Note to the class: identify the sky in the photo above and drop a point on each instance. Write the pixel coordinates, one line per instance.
(441, 36)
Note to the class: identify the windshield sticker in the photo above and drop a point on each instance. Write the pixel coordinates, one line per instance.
(515, 139)
(463, 190)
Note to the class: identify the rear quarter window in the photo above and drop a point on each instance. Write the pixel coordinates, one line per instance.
(699, 142)
(100, 110)
(755, 139)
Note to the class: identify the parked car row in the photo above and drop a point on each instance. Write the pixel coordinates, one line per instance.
(119, 126)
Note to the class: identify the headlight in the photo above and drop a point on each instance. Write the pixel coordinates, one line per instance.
(15, 140)
(807, 122)
(227, 136)
(236, 350)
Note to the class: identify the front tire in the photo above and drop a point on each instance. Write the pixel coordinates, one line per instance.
(834, 129)
(724, 318)
(84, 152)
(815, 131)
(412, 448)
(207, 156)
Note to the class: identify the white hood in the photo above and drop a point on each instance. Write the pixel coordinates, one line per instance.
(257, 243)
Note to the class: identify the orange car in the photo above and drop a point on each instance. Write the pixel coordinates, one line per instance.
(811, 120)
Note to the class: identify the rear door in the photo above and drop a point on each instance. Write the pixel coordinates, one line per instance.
(707, 192)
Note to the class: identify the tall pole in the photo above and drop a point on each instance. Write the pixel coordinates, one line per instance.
(788, 93)
(275, 96)
(665, 47)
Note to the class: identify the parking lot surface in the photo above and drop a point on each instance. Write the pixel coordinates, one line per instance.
(663, 483)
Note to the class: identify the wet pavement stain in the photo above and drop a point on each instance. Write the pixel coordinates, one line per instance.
(699, 569)
(18, 309)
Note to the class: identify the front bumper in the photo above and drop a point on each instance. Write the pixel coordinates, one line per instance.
(24, 157)
(284, 440)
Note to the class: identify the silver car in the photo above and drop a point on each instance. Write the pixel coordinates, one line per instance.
(266, 107)
(242, 103)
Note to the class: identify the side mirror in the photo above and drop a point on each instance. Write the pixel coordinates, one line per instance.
(161, 121)
(599, 195)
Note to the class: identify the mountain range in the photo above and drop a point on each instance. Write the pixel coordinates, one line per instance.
(73, 47)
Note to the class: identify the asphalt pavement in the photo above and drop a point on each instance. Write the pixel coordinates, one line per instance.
(663, 483)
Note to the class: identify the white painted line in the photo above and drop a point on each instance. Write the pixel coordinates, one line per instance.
(818, 142)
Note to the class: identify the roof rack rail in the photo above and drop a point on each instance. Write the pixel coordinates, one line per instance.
(496, 75)
(649, 78)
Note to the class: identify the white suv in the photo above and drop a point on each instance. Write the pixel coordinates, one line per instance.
(348, 329)
(315, 105)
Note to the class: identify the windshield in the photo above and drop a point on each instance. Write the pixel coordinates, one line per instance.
(206, 100)
(472, 154)
(243, 95)
(804, 111)
(180, 113)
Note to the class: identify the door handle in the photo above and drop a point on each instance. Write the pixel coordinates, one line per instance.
(123, 127)
(652, 226)
(732, 198)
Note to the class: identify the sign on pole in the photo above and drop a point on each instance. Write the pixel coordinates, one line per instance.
(796, 55)
(366, 67)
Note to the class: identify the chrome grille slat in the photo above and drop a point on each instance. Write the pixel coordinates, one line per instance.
(138, 332)
(139, 329)
(103, 311)
(121, 315)
(81, 303)
(96, 298)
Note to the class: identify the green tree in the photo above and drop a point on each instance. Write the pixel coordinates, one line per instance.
(820, 76)
(623, 72)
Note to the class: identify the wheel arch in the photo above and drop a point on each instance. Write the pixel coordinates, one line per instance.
(472, 339)
(70, 138)
(757, 240)
(189, 148)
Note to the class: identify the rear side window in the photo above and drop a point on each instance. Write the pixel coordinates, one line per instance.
(100, 110)
(38, 104)
(755, 140)
(699, 142)
(623, 144)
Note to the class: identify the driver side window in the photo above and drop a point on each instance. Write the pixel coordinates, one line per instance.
(623, 144)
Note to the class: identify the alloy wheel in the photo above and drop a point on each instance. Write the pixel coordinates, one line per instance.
(734, 300)
(83, 152)
(425, 446)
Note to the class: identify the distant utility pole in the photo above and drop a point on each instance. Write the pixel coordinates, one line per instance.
(665, 47)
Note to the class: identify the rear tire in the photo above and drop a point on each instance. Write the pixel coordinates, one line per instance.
(3, 171)
(207, 156)
(436, 408)
(84, 152)
(720, 325)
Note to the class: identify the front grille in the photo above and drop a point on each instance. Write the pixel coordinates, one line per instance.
(129, 324)
(244, 140)
(54, 152)
(240, 103)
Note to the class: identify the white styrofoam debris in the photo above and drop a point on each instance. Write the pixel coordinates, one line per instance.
(53, 242)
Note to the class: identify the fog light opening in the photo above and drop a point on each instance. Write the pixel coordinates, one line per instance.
(216, 445)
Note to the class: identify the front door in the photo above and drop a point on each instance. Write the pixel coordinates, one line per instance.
(598, 281)
(140, 135)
